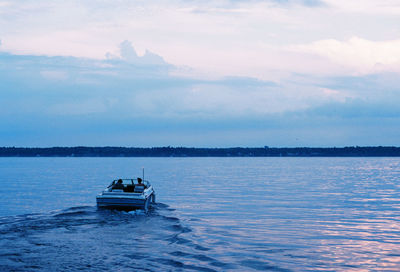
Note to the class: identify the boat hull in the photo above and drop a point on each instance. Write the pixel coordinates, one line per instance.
(124, 201)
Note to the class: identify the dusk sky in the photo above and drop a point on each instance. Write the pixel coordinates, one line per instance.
(200, 73)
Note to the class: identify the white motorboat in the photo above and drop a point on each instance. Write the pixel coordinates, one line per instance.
(127, 194)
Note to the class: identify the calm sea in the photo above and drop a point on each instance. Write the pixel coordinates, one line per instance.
(213, 214)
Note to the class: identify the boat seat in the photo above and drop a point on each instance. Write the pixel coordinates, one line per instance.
(129, 188)
(117, 190)
(139, 189)
(118, 186)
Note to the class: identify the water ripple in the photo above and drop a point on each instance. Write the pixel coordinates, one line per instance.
(223, 214)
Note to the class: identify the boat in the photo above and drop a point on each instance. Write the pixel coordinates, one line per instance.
(127, 195)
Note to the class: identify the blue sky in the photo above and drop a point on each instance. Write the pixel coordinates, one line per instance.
(200, 73)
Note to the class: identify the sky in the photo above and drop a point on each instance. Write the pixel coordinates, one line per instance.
(278, 73)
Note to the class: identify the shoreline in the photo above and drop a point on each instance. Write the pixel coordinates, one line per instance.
(83, 151)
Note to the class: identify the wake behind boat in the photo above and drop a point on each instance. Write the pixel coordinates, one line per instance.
(127, 195)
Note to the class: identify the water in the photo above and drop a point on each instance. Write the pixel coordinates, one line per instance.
(213, 214)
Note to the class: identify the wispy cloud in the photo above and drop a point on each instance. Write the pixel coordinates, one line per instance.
(308, 3)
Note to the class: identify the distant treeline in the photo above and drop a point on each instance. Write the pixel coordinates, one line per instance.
(82, 151)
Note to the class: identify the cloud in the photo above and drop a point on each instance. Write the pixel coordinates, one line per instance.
(357, 55)
(55, 75)
(357, 109)
(129, 54)
(81, 107)
(228, 38)
(137, 85)
(142, 87)
(307, 3)
(244, 6)
(370, 7)
(202, 72)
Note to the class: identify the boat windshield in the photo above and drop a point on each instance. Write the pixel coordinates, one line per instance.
(126, 182)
